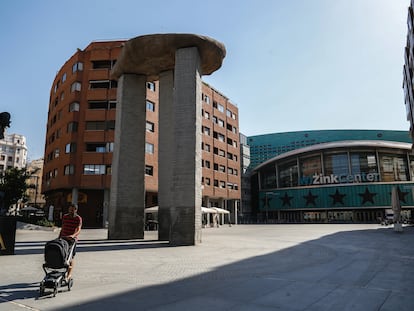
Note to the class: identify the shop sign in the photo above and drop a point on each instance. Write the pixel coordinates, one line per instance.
(320, 179)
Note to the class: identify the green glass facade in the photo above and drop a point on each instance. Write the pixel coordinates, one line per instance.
(341, 180)
(267, 146)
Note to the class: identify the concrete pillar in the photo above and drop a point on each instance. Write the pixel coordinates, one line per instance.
(165, 156)
(186, 211)
(127, 202)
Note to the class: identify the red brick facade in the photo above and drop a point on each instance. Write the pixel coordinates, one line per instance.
(80, 135)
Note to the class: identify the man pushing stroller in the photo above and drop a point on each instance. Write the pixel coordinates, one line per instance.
(59, 254)
(71, 227)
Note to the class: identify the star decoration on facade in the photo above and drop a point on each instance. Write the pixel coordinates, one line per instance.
(337, 197)
(310, 198)
(286, 199)
(367, 196)
(402, 195)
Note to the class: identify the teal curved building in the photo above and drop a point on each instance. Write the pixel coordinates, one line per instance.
(332, 176)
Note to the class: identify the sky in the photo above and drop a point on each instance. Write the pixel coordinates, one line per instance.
(292, 65)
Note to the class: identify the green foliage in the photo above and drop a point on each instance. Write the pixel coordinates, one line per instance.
(45, 223)
(12, 187)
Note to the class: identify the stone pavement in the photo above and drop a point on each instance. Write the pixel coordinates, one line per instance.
(244, 267)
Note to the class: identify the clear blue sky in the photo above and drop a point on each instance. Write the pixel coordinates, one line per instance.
(290, 65)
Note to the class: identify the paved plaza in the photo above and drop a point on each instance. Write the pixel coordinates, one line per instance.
(244, 267)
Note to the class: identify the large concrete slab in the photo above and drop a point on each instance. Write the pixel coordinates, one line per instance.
(245, 267)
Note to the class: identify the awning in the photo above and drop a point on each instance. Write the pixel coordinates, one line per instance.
(153, 209)
(29, 208)
(207, 210)
(221, 210)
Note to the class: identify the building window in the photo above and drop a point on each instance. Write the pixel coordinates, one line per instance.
(103, 64)
(57, 152)
(393, 167)
(220, 122)
(100, 147)
(288, 176)
(94, 169)
(268, 177)
(72, 127)
(151, 86)
(149, 170)
(95, 125)
(71, 147)
(100, 125)
(207, 181)
(103, 84)
(222, 184)
(77, 67)
(149, 148)
(110, 147)
(110, 125)
(150, 126)
(206, 130)
(62, 96)
(104, 105)
(336, 164)
(74, 107)
(363, 162)
(96, 147)
(69, 170)
(308, 167)
(76, 86)
(64, 77)
(219, 136)
(206, 99)
(220, 108)
(150, 106)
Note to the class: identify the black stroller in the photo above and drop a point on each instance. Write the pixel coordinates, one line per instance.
(58, 254)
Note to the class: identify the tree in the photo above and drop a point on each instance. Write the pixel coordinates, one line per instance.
(12, 187)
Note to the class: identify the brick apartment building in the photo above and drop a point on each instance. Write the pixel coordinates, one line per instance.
(80, 137)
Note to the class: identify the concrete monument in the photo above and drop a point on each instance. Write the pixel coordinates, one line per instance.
(178, 61)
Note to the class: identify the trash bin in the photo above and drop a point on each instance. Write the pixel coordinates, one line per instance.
(7, 234)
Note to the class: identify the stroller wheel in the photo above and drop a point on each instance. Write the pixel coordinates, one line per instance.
(70, 284)
(55, 290)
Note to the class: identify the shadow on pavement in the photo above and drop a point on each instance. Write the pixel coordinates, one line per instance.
(341, 271)
(347, 270)
(29, 248)
(18, 291)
